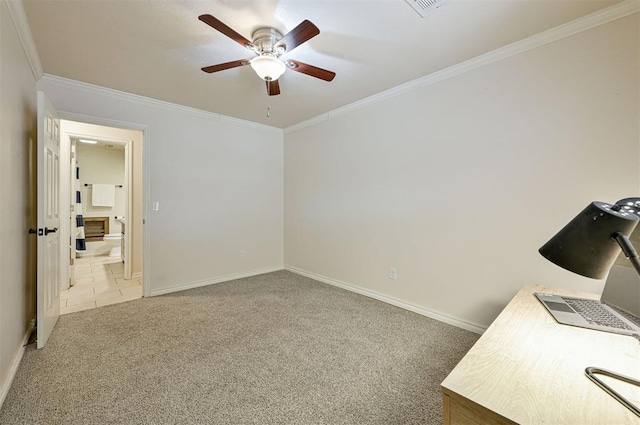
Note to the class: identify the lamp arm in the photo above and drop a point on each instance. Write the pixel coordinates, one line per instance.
(628, 249)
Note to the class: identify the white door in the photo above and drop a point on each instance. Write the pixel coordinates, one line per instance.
(48, 277)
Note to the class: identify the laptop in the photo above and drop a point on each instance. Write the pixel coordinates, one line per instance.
(617, 311)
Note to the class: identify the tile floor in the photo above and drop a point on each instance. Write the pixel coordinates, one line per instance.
(99, 281)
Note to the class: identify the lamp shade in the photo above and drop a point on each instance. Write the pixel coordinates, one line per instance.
(587, 244)
(268, 67)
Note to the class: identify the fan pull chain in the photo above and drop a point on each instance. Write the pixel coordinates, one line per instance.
(268, 103)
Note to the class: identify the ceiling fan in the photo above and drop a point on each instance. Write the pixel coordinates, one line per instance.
(269, 44)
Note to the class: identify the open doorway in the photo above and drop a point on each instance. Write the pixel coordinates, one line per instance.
(102, 208)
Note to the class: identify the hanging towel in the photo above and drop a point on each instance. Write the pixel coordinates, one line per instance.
(81, 243)
(103, 195)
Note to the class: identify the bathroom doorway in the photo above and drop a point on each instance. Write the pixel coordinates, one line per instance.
(104, 215)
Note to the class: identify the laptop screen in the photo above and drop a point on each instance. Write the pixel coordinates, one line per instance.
(622, 288)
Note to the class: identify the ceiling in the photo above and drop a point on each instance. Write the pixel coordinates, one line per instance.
(155, 48)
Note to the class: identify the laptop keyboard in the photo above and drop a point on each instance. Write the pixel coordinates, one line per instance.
(630, 317)
(593, 312)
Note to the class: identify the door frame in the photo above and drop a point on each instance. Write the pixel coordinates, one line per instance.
(65, 202)
(146, 137)
(128, 150)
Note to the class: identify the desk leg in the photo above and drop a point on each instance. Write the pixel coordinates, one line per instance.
(446, 409)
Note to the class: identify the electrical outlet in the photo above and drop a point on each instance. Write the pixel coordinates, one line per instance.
(243, 254)
(393, 273)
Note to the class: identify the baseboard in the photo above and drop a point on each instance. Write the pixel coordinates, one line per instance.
(136, 275)
(349, 287)
(15, 363)
(221, 279)
(473, 327)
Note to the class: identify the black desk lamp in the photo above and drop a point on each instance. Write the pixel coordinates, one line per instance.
(588, 245)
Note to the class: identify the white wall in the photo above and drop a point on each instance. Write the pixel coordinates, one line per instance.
(17, 198)
(457, 184)
(218, 183)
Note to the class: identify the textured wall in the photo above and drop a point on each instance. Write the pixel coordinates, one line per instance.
(457, 184)
(17, 196)
(218, 183)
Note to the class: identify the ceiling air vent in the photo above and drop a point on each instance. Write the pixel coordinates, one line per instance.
(424, 6)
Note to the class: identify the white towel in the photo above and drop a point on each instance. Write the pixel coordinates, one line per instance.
(103, 195)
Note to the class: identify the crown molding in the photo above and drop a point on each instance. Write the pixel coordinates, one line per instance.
(576, 26)
(147, 101)
(120, 95)
(19, 17)
(593, 20)
(250, 124)
(306, 123)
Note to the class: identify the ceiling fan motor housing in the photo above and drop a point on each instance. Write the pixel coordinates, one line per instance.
(265, 40)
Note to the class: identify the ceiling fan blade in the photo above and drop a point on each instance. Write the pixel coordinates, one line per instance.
(226, 30)
(303, 32)
(226, 65)
(273, 87)
(311, 70)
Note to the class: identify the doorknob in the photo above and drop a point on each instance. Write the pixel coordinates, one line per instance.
(47, 230)
(38, 232)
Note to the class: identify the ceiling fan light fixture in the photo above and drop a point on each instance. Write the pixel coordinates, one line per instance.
(268, 67)
(269, 44)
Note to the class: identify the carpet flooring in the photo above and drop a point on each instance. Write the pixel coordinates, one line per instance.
(277, 348)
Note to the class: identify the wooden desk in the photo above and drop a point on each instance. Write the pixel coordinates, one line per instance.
(528, 369)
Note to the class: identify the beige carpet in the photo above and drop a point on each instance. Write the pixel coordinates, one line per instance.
(271, 349)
